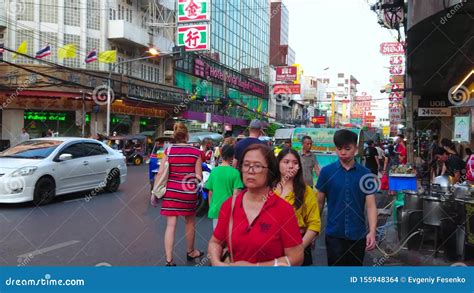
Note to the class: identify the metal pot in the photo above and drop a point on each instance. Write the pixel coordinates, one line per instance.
(461, 190)
(440, 184)
(413, 201)
(435, 209)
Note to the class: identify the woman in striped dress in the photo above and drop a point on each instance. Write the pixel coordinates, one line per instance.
(180, 199)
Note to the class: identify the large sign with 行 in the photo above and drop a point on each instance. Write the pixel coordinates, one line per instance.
(286, 73)
(193, 10)
(194, 37)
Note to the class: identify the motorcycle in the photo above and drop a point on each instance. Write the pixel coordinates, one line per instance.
(203, 193)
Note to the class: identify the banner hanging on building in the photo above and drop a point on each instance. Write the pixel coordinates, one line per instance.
(462, 129)
(193, 10)
(194, 37)
(288, 89)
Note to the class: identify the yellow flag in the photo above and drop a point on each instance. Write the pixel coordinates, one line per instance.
(108, 56)
(68, 51)
(23, 49)
(259, 109)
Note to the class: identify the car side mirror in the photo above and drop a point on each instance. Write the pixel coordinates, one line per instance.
(65, 157)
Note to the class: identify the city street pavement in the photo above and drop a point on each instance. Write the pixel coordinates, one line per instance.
(122, 229)
(119, 229)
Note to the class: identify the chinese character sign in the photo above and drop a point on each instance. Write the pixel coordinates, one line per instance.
(194, 37)
(193, 10)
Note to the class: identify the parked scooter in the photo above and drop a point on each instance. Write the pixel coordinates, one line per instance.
(203, 194)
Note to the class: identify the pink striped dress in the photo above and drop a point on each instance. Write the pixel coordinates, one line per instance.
(180, 198)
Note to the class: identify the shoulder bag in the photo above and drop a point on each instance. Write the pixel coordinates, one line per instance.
(159, 188)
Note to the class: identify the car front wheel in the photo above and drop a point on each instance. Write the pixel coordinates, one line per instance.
(113, 181)
(45, 191)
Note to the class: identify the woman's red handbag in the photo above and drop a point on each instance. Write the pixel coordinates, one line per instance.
(384, 182)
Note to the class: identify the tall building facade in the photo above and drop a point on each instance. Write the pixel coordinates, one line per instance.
(240, 35)
(63, 87)
(281, 54)
(229, 82)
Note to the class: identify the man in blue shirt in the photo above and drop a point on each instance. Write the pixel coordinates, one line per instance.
(349, 188)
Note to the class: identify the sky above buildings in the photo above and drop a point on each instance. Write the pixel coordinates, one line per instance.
(345, 36)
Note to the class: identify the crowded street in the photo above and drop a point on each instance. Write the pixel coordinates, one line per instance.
(145, 144)
(79, 230)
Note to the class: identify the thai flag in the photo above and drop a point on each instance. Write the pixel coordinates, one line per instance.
(46, 51)
(91, 57)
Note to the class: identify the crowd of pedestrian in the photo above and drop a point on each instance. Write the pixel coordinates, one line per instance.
(266, 210)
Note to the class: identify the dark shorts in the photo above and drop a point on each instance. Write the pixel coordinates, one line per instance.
(343, 252)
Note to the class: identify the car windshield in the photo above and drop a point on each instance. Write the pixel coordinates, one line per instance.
(32, 149)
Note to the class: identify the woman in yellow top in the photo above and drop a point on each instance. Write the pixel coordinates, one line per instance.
(292, 187)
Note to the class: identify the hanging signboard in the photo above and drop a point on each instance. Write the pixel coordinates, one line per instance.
(193, 10)
(434, 112)
(289, 89)
(392, 48)
(286, 73)
(462, 131)
(194, 37)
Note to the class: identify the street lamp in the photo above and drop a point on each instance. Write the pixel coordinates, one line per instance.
(152, 51)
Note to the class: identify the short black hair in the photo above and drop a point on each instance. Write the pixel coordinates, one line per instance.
(228, 152)
(401, 136)
(439, 151)
(344, 137)
(306, 137)
(288, 141)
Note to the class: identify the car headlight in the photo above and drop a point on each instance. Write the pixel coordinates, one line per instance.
(25, 171)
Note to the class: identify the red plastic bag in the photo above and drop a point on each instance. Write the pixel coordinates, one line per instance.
(384, 182)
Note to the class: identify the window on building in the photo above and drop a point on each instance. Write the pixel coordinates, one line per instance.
(340, 84)
(52, 39)
(127, 15)
(91, 44)
(157, 75)
(49, 11)
(72, 13)
(93, 14)
(119, 9)
(340, 75)
(21, 36)
(28, 11)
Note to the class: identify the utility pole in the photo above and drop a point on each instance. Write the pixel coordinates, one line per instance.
(83, 114)
(409, 121)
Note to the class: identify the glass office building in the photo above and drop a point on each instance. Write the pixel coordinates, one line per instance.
(240, 35)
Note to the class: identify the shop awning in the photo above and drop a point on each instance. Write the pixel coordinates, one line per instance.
(441, 53)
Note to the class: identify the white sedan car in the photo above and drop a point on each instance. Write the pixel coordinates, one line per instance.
(39, 169)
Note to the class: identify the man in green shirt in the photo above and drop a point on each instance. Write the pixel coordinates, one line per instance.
(223, 182)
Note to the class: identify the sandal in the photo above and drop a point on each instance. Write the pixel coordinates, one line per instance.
(170, 264)
(191, 258)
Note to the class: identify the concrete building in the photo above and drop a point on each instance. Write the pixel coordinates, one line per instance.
(281, 54)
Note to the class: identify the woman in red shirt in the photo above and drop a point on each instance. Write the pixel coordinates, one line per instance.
(258, 227)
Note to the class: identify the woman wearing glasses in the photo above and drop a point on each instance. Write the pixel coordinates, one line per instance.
(292, 187)
(258, 227)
